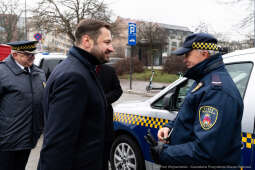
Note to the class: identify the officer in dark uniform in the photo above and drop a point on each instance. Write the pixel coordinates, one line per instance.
(207, 130)
(21, 115)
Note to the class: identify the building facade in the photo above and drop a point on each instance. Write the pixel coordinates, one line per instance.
(176, 35)
(51, 41)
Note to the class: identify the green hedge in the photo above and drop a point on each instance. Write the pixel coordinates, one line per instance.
(159, 76)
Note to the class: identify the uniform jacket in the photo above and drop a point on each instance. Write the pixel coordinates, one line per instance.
(207, 130)
(21, 116)
(112, 89)
(74, 106)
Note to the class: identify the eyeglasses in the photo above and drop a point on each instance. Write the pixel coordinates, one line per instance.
(27, 54)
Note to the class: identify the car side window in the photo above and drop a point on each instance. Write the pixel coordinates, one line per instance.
(48, 65)
(240, 73)
(173, 100)
(181, 94)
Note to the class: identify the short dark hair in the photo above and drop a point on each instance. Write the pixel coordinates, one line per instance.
(89, 27)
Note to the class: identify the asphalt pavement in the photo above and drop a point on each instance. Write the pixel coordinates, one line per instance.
(137, 93)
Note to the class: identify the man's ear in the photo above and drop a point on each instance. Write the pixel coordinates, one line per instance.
(14, 54)
(86, 41)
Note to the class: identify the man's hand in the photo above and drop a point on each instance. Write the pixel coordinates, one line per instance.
(164, 134)
(155, 147)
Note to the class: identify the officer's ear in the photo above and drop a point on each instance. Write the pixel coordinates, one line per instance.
(14, 54)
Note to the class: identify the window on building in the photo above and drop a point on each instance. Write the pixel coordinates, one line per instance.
(174, 44)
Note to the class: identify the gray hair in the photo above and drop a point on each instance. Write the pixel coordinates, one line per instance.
(211, 52)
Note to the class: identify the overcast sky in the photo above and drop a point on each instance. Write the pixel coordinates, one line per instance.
(220, 17)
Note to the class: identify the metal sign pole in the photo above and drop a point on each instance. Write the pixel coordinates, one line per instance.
(131, 67)
(131, 42)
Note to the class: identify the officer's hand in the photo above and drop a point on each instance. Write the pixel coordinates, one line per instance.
(155, 151)
(163, 134)
(155, 147)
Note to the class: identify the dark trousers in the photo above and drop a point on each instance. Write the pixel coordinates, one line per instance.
(108, 144)
(14, 160)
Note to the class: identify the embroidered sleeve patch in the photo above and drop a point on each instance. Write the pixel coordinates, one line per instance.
(207, 117)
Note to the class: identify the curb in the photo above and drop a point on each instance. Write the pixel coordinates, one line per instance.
(139, 93)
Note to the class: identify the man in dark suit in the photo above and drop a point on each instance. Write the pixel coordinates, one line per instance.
(75, 105)
(112, 89)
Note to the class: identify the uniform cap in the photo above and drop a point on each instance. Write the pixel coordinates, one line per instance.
(201, 41)
(26, 46)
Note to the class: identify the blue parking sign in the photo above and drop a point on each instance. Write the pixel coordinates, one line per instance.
(131, 33)
(132, 40)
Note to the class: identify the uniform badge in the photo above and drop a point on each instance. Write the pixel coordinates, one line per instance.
(44, 84)
(199, 85)
(207, 117)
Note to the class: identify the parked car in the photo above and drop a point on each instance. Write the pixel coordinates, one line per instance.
(5, 50)
(48, 61)
(113, 61)
(132, 120)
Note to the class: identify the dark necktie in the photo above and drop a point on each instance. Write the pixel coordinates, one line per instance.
(26, 70)
(98, 67)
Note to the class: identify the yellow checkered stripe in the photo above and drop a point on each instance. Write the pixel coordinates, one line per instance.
(24, 47)
(138, 120)
(248, 140)
(205, 46)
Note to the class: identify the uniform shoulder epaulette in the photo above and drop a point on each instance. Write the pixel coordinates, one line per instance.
(216, 81)
(37, 68)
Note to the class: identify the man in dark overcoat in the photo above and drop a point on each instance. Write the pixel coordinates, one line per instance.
(75, 105)
(21, 115)
(112, 89)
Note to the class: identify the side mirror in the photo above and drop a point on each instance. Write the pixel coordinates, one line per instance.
(166, 101)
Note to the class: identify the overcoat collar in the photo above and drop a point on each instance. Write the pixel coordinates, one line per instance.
(198, 71)
(9, 61)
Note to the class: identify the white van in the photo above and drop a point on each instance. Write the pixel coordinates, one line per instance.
(132, 120)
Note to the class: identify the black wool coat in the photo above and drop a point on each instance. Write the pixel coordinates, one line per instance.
(112, 89)
(74, 106)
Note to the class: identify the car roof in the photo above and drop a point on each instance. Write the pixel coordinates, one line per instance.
(240, 55)
(40, 56)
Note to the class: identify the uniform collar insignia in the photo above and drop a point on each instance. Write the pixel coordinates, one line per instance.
(199, 85)
(44, 84)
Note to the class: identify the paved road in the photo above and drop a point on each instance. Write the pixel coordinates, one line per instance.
(34, 156)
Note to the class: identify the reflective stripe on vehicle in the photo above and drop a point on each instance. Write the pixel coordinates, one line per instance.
(145, 121)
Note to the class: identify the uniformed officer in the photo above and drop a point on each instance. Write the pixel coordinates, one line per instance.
(21, 89)
(207, 130)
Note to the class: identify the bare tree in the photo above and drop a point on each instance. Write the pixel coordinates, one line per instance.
(202, 27)
(63, 15)
(220, 36)
(249, 18)
(10, 13)
(153, 36)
